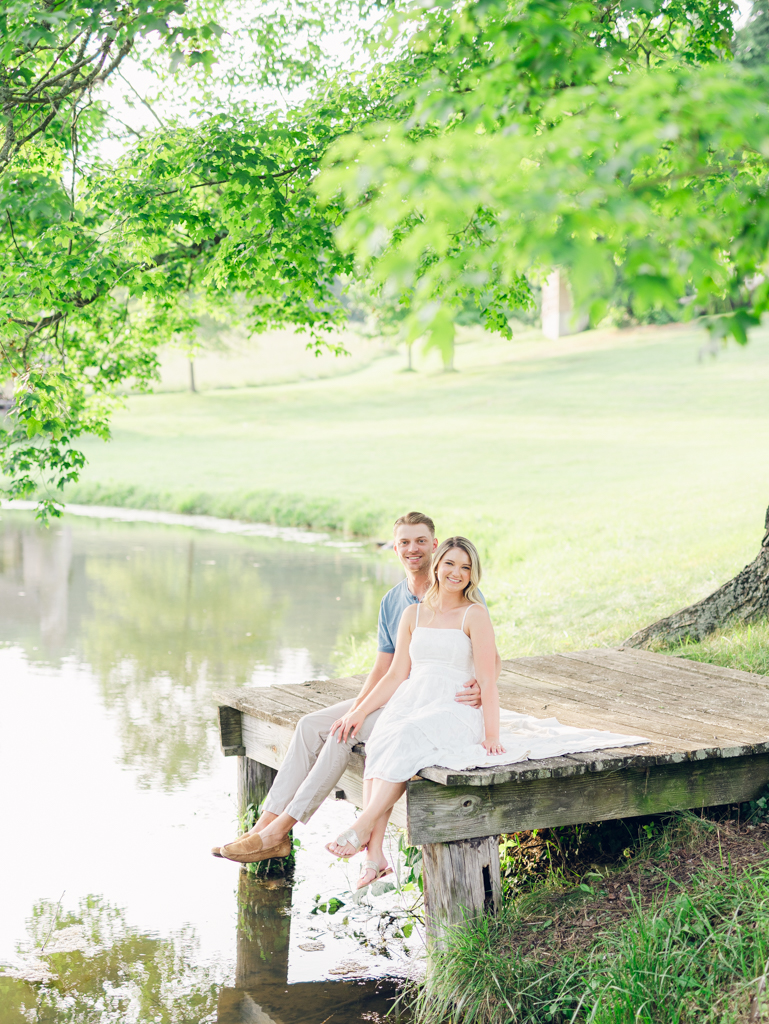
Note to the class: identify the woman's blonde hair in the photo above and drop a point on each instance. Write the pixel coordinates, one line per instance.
(471, 590)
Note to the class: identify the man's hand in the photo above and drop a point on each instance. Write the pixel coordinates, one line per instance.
(472, 694)
(348, 725)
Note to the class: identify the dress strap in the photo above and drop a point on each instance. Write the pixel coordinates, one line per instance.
(462, 627)
(419, 604)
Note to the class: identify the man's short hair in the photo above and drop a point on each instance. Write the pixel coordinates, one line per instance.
(415, 519)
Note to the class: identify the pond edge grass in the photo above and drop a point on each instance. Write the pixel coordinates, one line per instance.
(694, 949)
(253, 506)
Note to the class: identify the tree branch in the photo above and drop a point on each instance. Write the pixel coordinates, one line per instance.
(141, 98)
(223, 181)
(13, 236)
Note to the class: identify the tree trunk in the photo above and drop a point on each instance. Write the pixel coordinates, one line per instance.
(192, 376)
(742, 599)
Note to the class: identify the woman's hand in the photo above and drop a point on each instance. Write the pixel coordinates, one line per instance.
(493, 746)
(348, 725)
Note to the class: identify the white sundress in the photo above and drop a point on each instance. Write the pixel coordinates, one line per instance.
(422, 724)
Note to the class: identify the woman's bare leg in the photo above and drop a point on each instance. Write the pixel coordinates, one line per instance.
(375, 851)
(383, 796)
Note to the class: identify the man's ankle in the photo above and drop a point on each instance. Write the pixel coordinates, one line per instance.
(280, 824)
(265, 818)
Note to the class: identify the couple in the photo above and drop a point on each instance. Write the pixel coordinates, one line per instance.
(418, 703)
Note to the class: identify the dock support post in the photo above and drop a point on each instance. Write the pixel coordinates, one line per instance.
(461, 882)
(254, 781)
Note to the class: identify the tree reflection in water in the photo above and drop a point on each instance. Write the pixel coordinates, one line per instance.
(146, 621)
(90, 967)
(161, 615)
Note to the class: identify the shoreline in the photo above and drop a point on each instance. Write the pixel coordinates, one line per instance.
(215, 524)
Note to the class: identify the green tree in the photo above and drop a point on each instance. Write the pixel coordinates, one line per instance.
(620, 141)
(62, 324)
(481, 144)
(752, 40)
(103, 263)
(602, 137)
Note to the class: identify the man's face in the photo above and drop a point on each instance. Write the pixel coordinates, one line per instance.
(414, 545)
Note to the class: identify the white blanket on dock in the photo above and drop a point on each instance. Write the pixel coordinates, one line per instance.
(526, 738)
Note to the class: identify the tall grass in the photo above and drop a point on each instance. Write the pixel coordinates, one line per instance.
(478, 978)
(697, 957)
(692, 957)
(740, 646)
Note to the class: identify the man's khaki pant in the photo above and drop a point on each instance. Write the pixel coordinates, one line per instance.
(314, 763)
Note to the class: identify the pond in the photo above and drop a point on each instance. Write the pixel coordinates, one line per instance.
(112, 637)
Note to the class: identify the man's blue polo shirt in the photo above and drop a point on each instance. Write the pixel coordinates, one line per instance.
(394, 604)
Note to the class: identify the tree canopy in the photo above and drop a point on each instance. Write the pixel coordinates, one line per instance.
(447, 153)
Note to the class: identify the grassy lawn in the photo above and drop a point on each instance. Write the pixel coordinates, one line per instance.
(607, 478)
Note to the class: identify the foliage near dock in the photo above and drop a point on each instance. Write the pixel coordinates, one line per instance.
(679, 935)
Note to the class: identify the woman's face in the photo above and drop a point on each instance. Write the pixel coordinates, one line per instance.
(454, 571)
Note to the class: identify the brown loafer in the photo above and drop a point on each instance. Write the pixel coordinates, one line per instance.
(248, 851)
(249, 842)
(217, 850)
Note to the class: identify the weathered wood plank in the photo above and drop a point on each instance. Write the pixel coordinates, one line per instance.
(575, 706)
(672, 685)
(600, 713)
(686, 664)
(664, 681)
(629, 710)
(522, 771)
(268, 707)
(308, 700)
(287, 702)
(268, 742)
(296, 700)
(307, 697)
(254, 781)
(265, 740)
(597, 718)
(230, 733)
(447, 813)
(635, 725)
(615, 691)
(330, 691)
(461, 882)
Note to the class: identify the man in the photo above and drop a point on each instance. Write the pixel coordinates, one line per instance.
(314, 763)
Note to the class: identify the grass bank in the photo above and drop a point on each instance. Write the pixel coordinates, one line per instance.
(744, 647)
(679, 936)
(277, 507)
(608, 478)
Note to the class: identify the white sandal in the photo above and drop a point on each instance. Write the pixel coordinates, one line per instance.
(348, 836)
(371, 865)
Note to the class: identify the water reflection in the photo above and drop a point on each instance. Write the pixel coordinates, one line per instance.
(261, 992)
(89, 966)
(161, 615)
(112, 637)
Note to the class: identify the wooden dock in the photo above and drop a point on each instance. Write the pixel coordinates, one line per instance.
(708, 730)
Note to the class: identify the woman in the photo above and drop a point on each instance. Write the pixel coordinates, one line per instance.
(441, 644)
